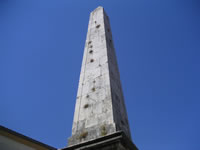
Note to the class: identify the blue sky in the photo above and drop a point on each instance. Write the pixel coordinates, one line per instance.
(158, 50)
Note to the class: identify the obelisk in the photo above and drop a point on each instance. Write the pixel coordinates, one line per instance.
(100, 112)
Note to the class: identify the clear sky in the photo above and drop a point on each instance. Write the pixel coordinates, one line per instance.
(158, 50)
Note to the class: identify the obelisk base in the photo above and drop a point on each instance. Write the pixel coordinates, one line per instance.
(115, 141)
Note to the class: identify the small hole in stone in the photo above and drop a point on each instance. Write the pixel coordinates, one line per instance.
(86, 106)
(95, 22)
(87, 96)
(92, 60)
(91, 51)
(91, 46)
(98, 26)
(93, 89)
(89, 42)
(94, 81)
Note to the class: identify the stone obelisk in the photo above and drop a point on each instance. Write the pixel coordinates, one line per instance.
(100, 114)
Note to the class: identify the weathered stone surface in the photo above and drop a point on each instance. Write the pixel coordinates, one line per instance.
(115, 141)
(100, 108)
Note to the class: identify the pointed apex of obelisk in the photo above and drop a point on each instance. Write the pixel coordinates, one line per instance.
(98, 9)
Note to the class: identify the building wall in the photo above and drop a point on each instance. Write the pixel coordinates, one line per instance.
(10, 144)
(11, 140)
